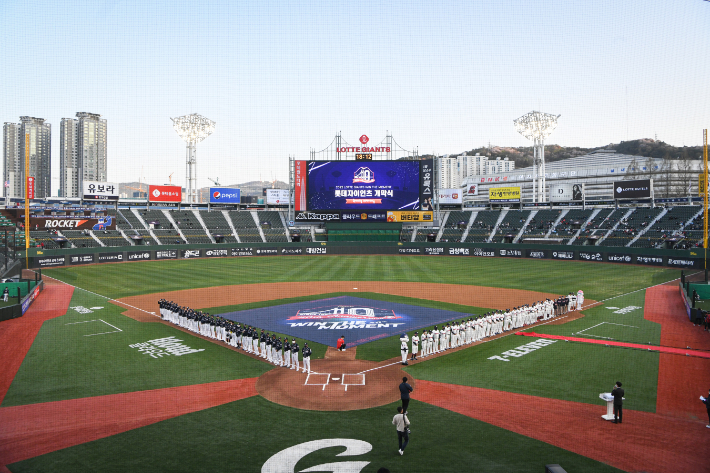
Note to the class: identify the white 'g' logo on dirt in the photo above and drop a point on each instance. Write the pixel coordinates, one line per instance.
(285, 461)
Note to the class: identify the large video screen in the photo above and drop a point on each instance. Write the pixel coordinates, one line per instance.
(369, 185)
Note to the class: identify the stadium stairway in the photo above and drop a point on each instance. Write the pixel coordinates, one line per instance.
(101, 244)
(231, 225)
(557, 222)
(647, 228)
(471, 219)
(624, 217)
(255, 216)
(584, 225)
(442, 226)
(174, 224)
(204, 227)
(146, 227)
(502, 215)
(525, 225)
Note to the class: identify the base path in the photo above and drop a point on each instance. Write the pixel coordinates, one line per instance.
(644, 442)
(201, 298)
(35, 429)
(681, 379)
(17, 335)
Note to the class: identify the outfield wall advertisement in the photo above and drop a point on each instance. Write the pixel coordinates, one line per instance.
(598, 254)
(371, 185)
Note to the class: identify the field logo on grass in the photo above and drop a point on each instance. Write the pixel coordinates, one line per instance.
(624, 310)
(81, 309)
(523, 349)
(286, 460)
(164, 347)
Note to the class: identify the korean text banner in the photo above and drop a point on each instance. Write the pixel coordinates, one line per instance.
(277, 196)
(299, 194)
(504, 194)
(164, 194)
(357, 185)
(395, 216)
(224, 195)
(94, 190)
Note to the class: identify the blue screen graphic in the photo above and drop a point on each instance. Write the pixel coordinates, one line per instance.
(224, 195)
(363, 185)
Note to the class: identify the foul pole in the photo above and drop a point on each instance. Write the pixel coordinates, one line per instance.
(705, 202)
(27, 198)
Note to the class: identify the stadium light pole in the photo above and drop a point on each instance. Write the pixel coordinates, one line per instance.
(192, 129)
(537, 126)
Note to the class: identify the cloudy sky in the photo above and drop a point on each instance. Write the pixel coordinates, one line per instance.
(282, 77)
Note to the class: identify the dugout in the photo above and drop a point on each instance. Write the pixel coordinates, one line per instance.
(338, 231)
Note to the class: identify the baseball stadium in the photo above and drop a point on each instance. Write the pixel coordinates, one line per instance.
(304, 236)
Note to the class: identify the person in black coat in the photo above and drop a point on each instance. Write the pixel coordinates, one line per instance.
(618, 394)
(404, 390)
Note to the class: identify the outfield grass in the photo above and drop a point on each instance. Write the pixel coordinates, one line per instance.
(243, 435)
(599, 281)
(68, 361)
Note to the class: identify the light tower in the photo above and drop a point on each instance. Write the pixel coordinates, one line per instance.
(192, 129)
(537, 126)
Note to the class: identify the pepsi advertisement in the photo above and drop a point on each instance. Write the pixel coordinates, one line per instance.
(224, 195)
(371, 185)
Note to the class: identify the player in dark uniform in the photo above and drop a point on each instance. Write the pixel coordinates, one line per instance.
(294, 355)
(268, 348)
(306, 358)
(287, 354)
(262, 343)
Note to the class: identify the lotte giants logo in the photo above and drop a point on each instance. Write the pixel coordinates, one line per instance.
(364, 139)
(364, 175)
(346, 312)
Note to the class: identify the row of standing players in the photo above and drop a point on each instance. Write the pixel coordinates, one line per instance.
(250, 339)
(465, 332)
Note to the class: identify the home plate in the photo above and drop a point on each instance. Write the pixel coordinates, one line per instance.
(335, 379)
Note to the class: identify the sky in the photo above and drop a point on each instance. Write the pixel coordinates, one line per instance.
(280, 78)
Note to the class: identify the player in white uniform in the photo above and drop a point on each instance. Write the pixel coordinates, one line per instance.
(430, 342)
(580, 299)
(415, 345)
(404, 347)
(572, 302)
(436, 334)
(423, 344)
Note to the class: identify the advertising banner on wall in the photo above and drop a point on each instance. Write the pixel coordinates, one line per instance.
(471, 189)
(566, 192)
(81, 259)
(164, 194)
(30, 187)
(504, 194)
(450, 196)
(317, 216)
(94, 190)
(639, 189)
(69, 223)
(277, 196)
(363, 216)
(395, 216)
(300, 187)
(49, 261)
(225, 195)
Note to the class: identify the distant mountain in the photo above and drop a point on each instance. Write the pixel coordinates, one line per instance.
(523, 156)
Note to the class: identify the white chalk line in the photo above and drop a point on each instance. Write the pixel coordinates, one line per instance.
(97, 320)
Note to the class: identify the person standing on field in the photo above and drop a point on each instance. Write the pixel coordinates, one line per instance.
(404, 347)
(404, 390)
(306, 358)
(402, 423)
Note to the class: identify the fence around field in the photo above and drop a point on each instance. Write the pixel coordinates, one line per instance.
(681, 259)
(24, 300)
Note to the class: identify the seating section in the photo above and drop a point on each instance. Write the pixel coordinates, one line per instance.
(483, 226)
(39, 237)
(406, 234)
(111, 238)
(217, 225)
(599, 225)
(452, 232)
(271, 225)
(669, 226)
(246, 228)
(511, 223)
(631, 226)
(568, 225)
(80, 239)
(125, 219)
(422, 234)
(693, 233)
(168, 237)
(191, 228)
(541, 223)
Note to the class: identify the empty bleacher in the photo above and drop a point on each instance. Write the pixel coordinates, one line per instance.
(217, 225)
(511, 223)
(80, 239)
(271, 225)
(483, 226)
(111, 238)
(39, 237)
(191, 228)
(168, 237)
(244, 225)
(668, 226)
(406, 234)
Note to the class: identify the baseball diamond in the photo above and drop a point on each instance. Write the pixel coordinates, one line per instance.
(96, 345)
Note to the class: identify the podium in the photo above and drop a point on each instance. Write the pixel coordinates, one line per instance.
(609, 405)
